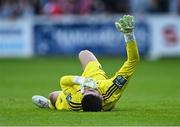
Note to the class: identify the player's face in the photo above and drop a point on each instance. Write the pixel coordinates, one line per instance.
(91, 91)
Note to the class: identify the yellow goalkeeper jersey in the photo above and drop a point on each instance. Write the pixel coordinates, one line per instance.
(111, 89)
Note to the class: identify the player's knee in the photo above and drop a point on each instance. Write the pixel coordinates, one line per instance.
(86, 56)
(84, 53)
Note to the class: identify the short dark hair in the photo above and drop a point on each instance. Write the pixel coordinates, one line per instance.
(91, 103)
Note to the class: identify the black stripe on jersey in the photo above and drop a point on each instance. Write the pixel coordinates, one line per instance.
(111, 94)
(75, 103)
(112, 90)
(118, 83)
(75, 107)
(109, 90)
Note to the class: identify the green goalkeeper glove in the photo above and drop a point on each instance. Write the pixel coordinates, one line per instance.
(125, 24)
(84, 82)
(88, 82)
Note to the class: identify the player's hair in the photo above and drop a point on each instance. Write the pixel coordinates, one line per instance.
(91, 103)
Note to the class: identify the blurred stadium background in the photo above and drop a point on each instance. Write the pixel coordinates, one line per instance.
(56, 27)
(40, 40)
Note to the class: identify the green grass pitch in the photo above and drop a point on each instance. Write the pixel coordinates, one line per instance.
(151, 98)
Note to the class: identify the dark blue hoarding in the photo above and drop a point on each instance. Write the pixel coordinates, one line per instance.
(101, 38)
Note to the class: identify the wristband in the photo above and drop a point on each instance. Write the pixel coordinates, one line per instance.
(78, 80)
(129, 37)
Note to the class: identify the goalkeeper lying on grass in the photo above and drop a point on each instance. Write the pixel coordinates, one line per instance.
(93, 91)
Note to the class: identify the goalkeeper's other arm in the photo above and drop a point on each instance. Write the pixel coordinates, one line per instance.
(69, 81)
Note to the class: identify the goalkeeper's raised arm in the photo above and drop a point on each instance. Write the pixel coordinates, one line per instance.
(126, 26)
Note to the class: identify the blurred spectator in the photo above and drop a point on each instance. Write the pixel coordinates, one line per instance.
(29, 8)
(153, 6)
(139, 6)
(13, 9)
(8, 9)
(98, 6)
(57, 7)
(175, 6)
(178, 7)
(158, 6)
(76, 6)
(38, 6)
(150, 6)
(25, 8)
(117, 6)
(52, 7)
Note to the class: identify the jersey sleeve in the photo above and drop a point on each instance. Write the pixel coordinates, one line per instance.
(66, 81)
(132, 59)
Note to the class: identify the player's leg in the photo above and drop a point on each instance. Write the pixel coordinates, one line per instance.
(92, 68)
(43, 102)
(53, 97)
(85, 56)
